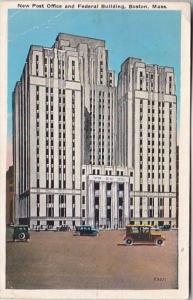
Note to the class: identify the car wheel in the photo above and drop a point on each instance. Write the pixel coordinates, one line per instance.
(22, 236)
(129, 242)
(159, 242)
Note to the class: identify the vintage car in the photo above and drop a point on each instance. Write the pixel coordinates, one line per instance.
(21, 233)
(63, 228)
(163, 228)
(86, 230)
(141, 234)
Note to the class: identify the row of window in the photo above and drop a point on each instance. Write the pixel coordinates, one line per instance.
(151, 201)
(150, 213)
(150, 84)
(107, 172)
(151, 188)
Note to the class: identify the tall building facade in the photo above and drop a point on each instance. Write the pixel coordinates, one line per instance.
(63, 117)
(146, 134)
(88, 150)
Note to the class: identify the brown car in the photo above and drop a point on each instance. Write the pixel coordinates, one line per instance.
(141, 234)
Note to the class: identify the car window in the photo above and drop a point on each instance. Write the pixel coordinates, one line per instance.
(145, 230)
(135, 229)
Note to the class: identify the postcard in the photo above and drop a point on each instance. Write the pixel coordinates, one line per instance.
(95, 127)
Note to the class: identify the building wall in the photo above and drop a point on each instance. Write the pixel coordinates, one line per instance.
(106, 193)
(58, 86)
(147, 94)
(68, 113)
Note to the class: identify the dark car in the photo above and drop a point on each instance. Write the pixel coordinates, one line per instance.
(141, 234)
(86, 230)
(165, 227)
(21, 233)
(63, 228)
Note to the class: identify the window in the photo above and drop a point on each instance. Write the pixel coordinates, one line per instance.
(83, 185)
(50, 205)
(96, 185)
(108, 186)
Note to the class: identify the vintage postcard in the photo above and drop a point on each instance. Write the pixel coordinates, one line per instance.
(95, 147)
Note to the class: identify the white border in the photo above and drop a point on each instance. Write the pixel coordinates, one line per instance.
(184, 175)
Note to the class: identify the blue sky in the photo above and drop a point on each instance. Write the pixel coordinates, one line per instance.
(153, 36)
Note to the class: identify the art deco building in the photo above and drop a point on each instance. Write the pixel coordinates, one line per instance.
(87, 151)
(146, 137)
(63, 118)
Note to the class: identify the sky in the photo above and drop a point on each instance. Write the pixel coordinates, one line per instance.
(153, 36)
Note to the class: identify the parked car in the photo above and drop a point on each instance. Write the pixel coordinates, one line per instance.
(141, 234)
(21, 233)
(163, 228)
(63, 228)
(86, 230)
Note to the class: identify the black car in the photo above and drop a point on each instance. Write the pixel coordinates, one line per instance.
(165, 227)
(63, 228)
(86, 230)
(21, 233)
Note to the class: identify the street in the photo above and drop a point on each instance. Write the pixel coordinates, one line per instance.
(59, 260)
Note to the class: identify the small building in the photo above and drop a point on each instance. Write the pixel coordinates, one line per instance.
(9, 195)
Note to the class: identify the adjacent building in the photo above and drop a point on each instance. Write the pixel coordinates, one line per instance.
(146, 137)
(9, 196)
(88, 150)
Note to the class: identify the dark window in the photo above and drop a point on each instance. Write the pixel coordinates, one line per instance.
(96, 185)
(108, 186)
(121, 187)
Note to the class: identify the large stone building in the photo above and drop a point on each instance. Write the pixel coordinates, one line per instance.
(147, 138)
(63, 112)
(77, 134)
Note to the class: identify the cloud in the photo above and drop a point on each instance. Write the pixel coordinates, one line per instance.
(36, 27)
(14, 14)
